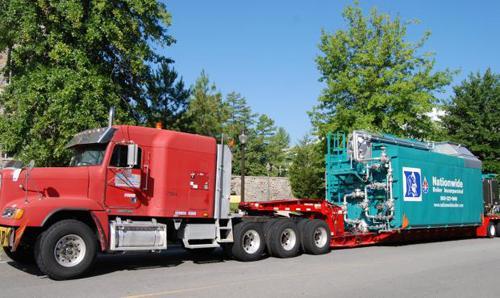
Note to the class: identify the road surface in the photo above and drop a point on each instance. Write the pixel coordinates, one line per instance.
(462, 268)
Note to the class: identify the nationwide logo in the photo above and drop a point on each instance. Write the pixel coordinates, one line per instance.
(425, 186)
(412, 184)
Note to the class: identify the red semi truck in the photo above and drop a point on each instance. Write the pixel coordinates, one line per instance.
(130, 188)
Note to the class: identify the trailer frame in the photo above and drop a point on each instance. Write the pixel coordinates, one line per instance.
(333, 215)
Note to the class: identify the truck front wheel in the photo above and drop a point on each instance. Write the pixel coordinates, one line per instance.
(66, 250)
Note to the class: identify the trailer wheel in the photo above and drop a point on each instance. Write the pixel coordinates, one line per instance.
(301, 223)
(316, 237)
(248, 242)
(491, 231)
(267, 232)
(66, 250)
(284, 239)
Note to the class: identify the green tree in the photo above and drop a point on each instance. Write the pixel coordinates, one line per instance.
(167, 97)
(279, 154)
(68, 62)
(473, 118)
(44, 109)
(241, 118)
(375, 79)
(266, 144)
(207, 113)
(240, 115)
(307, 169)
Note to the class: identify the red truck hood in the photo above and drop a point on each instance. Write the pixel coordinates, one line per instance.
(71, 182)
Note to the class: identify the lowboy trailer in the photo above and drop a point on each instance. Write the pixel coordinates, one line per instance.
(130, 188)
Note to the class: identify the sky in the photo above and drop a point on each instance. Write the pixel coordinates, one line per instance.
(266, 50)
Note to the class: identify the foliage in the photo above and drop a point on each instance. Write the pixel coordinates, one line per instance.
(69, 61)
(167, 97)
(241, 119)
(209, 114)
(473, 118)
(375, 79)
(307, 169)
(267, 144)
(280, 155)
(50, 105)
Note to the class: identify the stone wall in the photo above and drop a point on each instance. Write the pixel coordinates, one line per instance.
(256, 188)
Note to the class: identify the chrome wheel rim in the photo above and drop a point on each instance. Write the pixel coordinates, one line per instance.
(492, 230)
(70, 250)
(320, 237)
(288, 239)
(251, 241)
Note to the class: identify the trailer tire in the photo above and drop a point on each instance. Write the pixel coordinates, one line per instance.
(267, 226)
(65, 250)
(491, 231)
(249, 243)
(316, 237)
(301, 224)
(284, 239)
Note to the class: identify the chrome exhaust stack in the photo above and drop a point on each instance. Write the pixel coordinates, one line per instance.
(111, 117)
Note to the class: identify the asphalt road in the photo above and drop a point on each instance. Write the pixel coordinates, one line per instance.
(463, 268)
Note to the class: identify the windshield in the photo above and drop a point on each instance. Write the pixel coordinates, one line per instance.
(88, 155)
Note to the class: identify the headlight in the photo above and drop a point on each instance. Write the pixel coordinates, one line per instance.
(12, 213)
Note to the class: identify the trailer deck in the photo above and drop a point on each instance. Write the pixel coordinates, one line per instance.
(333, 215)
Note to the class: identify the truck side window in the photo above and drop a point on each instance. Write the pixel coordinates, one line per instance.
(119, 157)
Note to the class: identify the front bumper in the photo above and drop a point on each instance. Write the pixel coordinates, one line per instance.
(6, 236)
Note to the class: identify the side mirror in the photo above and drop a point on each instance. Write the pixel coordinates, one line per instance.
(132, 155)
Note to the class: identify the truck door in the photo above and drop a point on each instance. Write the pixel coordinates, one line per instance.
(123, 183)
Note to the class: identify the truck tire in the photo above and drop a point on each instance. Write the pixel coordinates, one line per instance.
(249, 243)
(22, 255)
(284, 239)
(316, 237)
(491, 230)
(498, 229)
(67, 249)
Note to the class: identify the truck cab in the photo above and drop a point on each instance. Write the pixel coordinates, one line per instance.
(125, 188)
